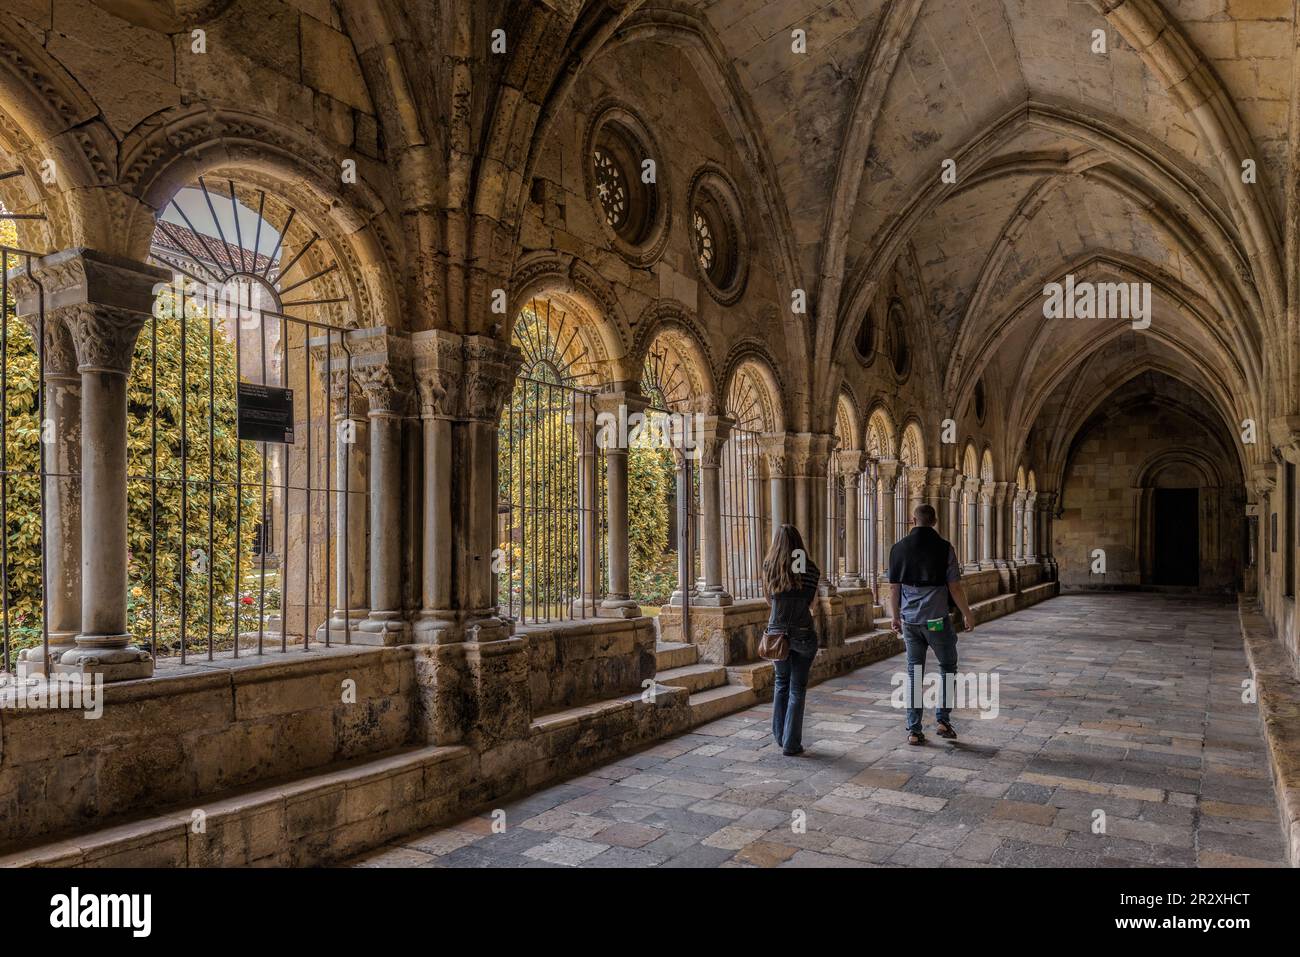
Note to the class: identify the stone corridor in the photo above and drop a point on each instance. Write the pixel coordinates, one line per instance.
(1129, 704)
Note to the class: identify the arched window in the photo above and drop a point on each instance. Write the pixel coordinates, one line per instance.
(970, 506)
(234, 528)
(750, 404)
(551, 501)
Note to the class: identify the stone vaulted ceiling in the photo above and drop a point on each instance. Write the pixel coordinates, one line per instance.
(1124, 165)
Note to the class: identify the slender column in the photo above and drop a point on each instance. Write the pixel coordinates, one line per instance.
(613, 408)
(715, 433)
(955, 484)
(104, 301)
(972, 487)
(889, 476)
(583, 419)
(1018, 527)
(916, 479)
(439, 376)
(817, 536)
(683, 466)
(774, 453)
(754, 497)
(850, 466)
(382, 367)
(62, 533)
(351, 477)
(1001, 527)
(799, 449)
(986, 514)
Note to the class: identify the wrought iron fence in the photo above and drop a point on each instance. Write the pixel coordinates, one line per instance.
(25, 474)
(551, 503)
(743, 533)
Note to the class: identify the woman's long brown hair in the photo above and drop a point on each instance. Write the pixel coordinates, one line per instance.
(778, 566)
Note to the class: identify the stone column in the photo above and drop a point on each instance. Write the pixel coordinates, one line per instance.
(104, 301)
(682, 469)
(889, 475)
(986, 514)
(351, 478)
(821, 545)
(971, 498)
(583, 421)
(916, 479)
(716, 431)
(1018, 527)
(439, 376)
(774, 455)
(618, 601)
(1001, 528)
(799, 449)
(62, 533)
(757, 544)
(938, 493)
(850, 466)
(381, 364)
(956, 483)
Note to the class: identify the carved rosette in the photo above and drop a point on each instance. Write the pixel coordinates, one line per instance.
(490, 370)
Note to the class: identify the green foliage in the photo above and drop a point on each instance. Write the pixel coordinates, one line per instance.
(22, 460)
(538, 511)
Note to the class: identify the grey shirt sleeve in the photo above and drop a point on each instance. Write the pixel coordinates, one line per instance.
(954, 570)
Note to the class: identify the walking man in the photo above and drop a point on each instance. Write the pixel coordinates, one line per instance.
(924, 584)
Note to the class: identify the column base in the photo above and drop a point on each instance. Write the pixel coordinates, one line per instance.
(619, 608)
(446, 626)
(383, 628)
(114, 663)
(585, 608)
(676, 598)
(853, 581)
(341, 630)
(32, 660)
(712, 598)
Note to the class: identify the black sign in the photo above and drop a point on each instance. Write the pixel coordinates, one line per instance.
(265, 413)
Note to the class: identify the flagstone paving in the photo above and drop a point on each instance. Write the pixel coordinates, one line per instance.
(1121, 740)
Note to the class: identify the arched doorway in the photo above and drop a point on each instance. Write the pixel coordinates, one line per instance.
(1173, 490)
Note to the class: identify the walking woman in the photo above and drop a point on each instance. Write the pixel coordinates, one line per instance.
(790, 585)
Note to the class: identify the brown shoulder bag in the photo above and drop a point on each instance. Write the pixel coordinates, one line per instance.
(774, 645)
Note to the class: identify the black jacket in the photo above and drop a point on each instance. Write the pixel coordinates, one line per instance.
(920, 559)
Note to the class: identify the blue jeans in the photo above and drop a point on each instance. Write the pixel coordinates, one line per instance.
(918, 639)
(787, 699)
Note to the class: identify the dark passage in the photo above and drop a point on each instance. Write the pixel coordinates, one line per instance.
(1177, 534)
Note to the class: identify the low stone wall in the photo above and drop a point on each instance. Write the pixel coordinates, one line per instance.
(725, 635)
(1278, 694)
(981, 585)
(859, 610)
(1029, 575)
(577, 662)
(350, 809)
(197, 730)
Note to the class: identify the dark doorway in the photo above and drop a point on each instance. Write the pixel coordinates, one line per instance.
(1177, 537)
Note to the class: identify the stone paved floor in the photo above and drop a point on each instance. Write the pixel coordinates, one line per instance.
(1125, 704)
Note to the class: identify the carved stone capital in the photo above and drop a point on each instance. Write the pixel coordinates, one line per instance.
(381, 369)
(1263, 477)
(888, 470)
(712, 433)
(772, 447)
(850, 463)
(102, 300)
(439, 372)
(490, 369)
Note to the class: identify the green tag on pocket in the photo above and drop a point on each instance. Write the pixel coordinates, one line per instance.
(935, 624)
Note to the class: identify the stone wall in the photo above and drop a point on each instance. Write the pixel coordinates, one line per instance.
(575, 663)
(197, 731)
(1106, 498)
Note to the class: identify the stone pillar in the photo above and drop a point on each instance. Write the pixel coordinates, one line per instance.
(381, 364)
(971, 498)
(1018, 526)
(757, 544)
(683, 464)
(937, 494)
(850, 466)
(986, 514)
(1001, 527)
(62, 534)
(583, 421)
(774, 455)
(821, 545)
(889, 475)
(103, 301)
(916, 479)
(439, 376)
(799, 449)
(351, 479)
(956, 484)
(618, 601)
(716, 430)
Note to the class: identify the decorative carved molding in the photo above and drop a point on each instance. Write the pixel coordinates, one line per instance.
(490, 370)
(439, 371)
(104, 336)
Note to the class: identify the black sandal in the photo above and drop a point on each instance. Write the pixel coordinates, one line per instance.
(946, 730)
(915, 737)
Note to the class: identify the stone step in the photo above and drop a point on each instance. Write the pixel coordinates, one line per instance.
(674, 654)
(717, 702)
(755, 675)
(694, 677)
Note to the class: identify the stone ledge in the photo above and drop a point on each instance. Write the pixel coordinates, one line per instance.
(1278, 694)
